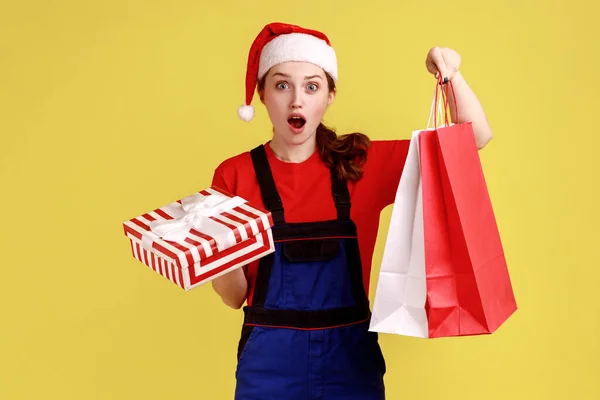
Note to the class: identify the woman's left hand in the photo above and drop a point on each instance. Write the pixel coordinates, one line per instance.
(445, 61)
(442, 60)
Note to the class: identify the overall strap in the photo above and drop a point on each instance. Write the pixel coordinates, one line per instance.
(341, 196)
(268, 189)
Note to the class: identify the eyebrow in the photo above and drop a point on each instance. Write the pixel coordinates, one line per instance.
(289, 76)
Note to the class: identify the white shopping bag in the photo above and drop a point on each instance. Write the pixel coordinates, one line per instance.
(401, 292)
(399, 305)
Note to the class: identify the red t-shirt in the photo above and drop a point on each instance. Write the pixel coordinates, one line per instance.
(305, 190)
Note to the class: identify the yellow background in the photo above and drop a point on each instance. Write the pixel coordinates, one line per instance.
(112, 108)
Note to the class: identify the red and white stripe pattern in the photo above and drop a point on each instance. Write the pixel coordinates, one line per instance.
(197, 260)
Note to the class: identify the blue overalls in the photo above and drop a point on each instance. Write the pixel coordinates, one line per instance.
(305, 336)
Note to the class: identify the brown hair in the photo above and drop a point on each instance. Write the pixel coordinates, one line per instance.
(346, 153)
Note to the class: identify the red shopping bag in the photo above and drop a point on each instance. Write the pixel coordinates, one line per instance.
(469, 290)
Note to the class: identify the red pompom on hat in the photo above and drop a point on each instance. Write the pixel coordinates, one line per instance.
(278, 43)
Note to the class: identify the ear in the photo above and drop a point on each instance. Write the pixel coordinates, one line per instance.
(331, 97)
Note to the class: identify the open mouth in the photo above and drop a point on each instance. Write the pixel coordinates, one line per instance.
(296, 122)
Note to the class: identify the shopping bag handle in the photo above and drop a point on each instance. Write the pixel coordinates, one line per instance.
(441, 97)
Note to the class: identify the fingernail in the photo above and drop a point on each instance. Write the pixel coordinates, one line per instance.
(446, 80)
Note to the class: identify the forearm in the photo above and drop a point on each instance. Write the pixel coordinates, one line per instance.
(469, 110)
(232, 287)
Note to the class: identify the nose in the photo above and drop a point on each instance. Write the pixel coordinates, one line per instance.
(296, 101)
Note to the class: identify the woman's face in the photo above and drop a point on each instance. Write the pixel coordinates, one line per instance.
(296, 96)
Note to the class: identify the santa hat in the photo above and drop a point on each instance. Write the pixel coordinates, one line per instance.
(278, 43)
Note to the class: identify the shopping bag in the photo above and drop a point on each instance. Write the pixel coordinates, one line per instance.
(443, 271)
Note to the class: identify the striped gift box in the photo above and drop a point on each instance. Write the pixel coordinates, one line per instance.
(196, 239)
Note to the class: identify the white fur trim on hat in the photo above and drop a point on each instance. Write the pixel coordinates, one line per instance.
(298, 47)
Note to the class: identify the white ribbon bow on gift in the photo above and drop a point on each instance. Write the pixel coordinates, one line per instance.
(194, 213)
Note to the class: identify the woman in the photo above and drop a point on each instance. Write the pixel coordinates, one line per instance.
(305, 332)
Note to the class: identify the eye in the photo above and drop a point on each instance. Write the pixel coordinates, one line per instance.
(313, 87)
(281, 85)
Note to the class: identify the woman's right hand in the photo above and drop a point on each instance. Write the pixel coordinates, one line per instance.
(232, 287)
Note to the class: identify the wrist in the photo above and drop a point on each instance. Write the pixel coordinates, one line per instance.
(458, 78)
